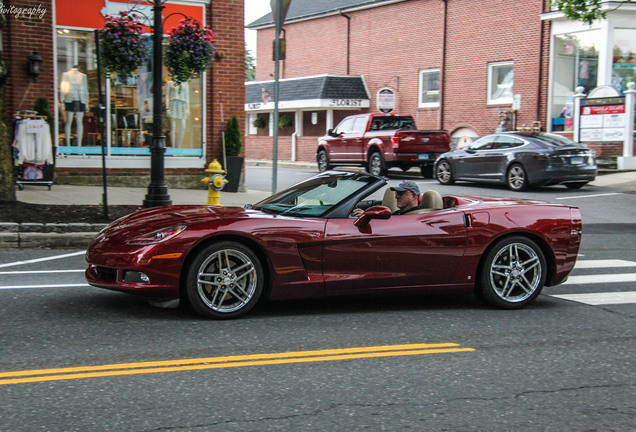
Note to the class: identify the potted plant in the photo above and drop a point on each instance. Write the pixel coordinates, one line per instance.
(233, 149)
(259, 123)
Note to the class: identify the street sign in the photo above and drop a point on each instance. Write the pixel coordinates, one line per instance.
(516, 102)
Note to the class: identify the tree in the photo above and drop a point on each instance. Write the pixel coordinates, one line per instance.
(7, 188)
(249, 65)
(233, 144)
(582, 10)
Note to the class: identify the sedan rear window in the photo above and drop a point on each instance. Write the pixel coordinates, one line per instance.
(554, 141)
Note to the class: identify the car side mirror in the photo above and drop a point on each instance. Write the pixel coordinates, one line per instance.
(375, 212)
(333, 133)
(469, 150)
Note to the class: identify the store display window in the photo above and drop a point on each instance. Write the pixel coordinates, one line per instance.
(575, 65)
(624, 58)
(129, 117)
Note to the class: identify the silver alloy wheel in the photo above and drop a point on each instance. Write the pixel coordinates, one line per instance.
(444, 173)
(227, 281)
(516, 272)
(376, 165)
(323, 161)
(516, 177)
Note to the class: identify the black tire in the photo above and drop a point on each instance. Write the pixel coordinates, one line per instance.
(323, 161)
(512, 274)
(224, 280)
(444, 172)
(375, 165)
(427, 171)
(516, 178)
(577, 185)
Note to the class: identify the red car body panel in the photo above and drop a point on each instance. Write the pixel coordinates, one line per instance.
(313, 257)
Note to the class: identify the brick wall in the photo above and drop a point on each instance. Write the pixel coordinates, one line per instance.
(22, 35)
(226, 88)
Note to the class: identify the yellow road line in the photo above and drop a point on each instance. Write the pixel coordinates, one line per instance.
(41, 375)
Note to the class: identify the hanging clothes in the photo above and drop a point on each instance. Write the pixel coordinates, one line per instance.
(33, 142)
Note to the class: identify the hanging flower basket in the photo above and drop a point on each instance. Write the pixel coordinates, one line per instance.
(189, 51)
(123, 49)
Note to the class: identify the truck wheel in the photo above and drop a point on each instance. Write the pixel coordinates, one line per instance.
(323, 161)
(427, 171)
(376, 164)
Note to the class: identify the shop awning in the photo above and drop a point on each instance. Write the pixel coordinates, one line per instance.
(315, 92)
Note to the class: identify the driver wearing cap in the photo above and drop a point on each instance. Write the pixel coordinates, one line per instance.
(407, 195)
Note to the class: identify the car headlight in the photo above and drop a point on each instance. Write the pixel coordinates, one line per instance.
(158, 236)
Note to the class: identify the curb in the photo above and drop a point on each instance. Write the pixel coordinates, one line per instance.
(47, 235)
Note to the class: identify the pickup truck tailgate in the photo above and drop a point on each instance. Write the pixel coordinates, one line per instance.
(418, 141)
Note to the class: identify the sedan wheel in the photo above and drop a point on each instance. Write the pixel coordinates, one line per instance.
(444, 173)
(323, 161)
(512, 274)
(225, 280)
(517, 178)
(376, 165)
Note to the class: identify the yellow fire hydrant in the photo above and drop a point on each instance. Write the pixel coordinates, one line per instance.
(216, 182)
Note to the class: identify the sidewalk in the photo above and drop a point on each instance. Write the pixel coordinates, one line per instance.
(77, 235)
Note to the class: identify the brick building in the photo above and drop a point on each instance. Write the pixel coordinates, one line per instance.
(61, 31)
(454, 65)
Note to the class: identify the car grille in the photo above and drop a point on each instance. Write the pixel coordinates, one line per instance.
(106, 273)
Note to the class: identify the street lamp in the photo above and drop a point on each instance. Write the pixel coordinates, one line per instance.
(157, 190)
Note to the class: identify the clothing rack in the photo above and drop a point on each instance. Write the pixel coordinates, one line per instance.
(25, 172)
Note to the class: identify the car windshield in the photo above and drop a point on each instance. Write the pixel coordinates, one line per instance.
(315, 196)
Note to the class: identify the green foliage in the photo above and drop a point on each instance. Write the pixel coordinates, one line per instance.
(259, 123)
(285, 121)
(249, 66)
(189, 51)
(42, 108)
(233, 144)
(581, 10)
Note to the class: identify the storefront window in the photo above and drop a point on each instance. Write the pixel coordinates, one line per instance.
(575, 64)
(130, 103)
(624, 60)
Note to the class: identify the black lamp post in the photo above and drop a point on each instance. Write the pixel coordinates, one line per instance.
(33, 66)
(157, 190)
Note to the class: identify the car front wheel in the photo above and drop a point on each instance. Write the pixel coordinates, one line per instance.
(512, 274)
(516, 178)
(444, 173)
(224, 280)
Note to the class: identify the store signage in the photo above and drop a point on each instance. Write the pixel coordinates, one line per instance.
(386, 100)
(345, 103)
(603, 120)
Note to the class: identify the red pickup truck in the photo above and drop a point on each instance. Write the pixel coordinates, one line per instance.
(379, 142)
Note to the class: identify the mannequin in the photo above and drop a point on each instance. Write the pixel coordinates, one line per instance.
(178, 105)
(74, 98)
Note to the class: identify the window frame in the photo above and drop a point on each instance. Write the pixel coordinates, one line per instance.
(420, 102)
(492, 89)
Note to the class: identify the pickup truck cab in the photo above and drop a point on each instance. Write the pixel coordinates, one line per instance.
(379, 142)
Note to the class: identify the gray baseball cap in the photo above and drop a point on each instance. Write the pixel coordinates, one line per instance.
(407, 185)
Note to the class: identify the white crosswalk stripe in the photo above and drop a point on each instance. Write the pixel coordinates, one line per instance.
(601, 298)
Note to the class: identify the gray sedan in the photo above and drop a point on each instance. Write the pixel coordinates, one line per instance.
(520, 160)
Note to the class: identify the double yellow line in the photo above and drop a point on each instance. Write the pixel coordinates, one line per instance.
(41, 375)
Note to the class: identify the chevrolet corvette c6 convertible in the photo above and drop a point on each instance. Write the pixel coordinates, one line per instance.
(302, 242)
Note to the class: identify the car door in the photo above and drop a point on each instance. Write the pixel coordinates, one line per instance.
(338, 144)
(473, 160)
(403, 251)
(354, 141)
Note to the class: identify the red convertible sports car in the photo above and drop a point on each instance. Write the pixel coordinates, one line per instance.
(302, 242)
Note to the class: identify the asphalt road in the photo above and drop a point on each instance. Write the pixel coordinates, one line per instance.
(76, 358)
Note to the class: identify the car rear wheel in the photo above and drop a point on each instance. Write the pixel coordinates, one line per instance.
(512, 274)
(516, 178)
(323, 161)
(376, 164)
(224, 280)
(444, 173)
